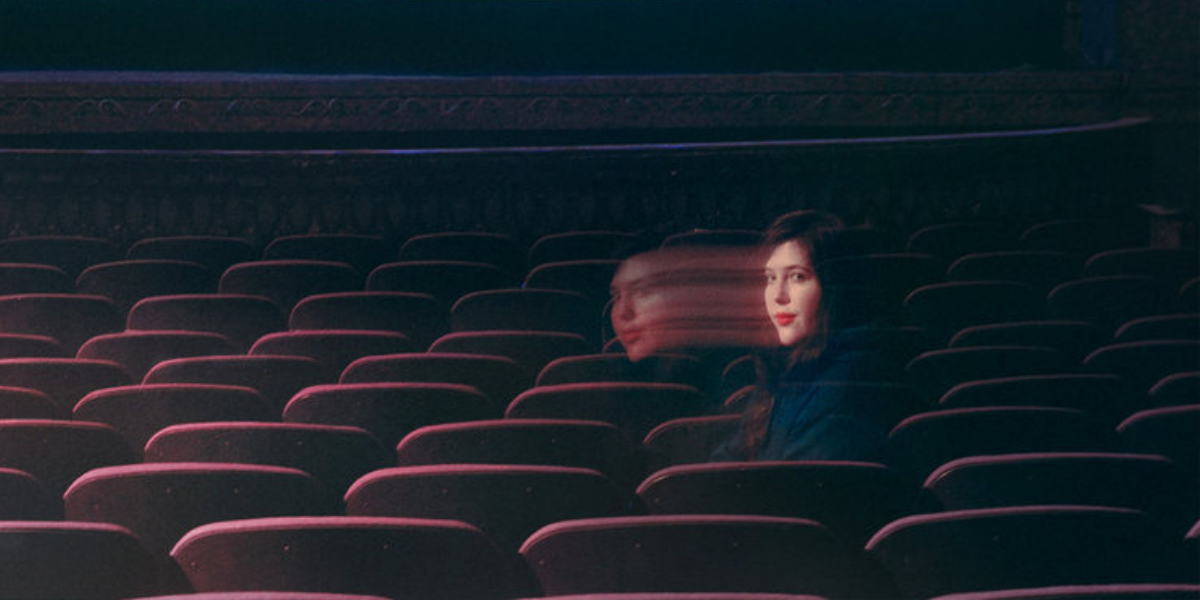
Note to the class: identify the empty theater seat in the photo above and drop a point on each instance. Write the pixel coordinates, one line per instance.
(240, 318)
(137, 412)
(1030, 546)
(24, 498)
(1075, 339)
(1042, 270)
(391, 557)
(532, 350)
(71, 319)
(363, 252)
(287, 282)
(1105, 397)
(335, 349)
(446, 280)
(498, 249)
(1148, 483)
(550, 442)
(42, 560)
(697, 553)
(215, 252)
(389, 410)
(63, 380)
(139, 351)
(687, 440)
(277, 378)
(833, 493)
(57, 452)
(21, 278)
(26, 403)
(23, 345)
(526, 310)
(418, 316)
(925, 441)
(500, 378)
(1183, 326)
(585, 245)
(1109, 301)
(934, 373)
(507, 502)
(161, 502)
(334, 455)
(635, 408)
(72, 254)
(126, 282)
(1169, 431)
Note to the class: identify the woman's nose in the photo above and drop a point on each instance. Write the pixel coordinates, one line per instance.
(781, 294)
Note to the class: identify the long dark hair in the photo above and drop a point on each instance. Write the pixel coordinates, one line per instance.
(812, 230)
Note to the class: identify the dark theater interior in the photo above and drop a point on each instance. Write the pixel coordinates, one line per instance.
(599, 299)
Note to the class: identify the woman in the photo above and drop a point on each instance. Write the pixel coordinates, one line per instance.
(791, 415)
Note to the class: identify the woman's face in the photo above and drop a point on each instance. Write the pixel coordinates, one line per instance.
(634, 303)
(792, 293)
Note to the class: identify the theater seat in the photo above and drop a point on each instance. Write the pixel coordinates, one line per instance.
(42, 560)
(500, 378)
(635, 408)
(63, 380)
(697, 553)
(363, 252)
(507, 502)
(241, 318)
(334, 455)
(832, 493)
(445, 280)
(389, 410)
(1030, 546)
(532, 350)
(334, 349)
(390, 557)
(498, 249)
(137, 412)
(126, 282)
(287, 282)
(418, 316)
(70, 253)
(139, 351)
(70, 319)
(57, 452)
(277, 378)
(687, 440)
(548, 442)
(585, 245)
(215, 252)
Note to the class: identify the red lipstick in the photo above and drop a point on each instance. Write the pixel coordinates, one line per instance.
(785, 318)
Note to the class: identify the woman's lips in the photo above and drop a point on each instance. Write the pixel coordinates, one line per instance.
(785, 318)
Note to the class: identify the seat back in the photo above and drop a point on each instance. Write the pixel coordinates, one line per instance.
(1168, 431)
(588, 277)
(334, 455)
(363, 252)
(215, 252)
(934, 373)
(389, 410)
(549, 442)
(390, 557)
(72, 254)
(70, 319)
(829, 492)
(1143, 364)
(532, 350)
(287, 282)
(42, 560)
(1148, 483)
(687, 440)
(161, 502)
(498, 249)
(1006, 548)
(139, 351)
(22, 278)
(526, 310)
(63, 380)
(58, 452)
(923, 442)
(277, 378)
(445, 280)
(334, 349)
(942, 309)
(507, 502)
(500, 378)
(585, 245)
(128, 281)
(137, 412)
(635, 408)
(695, 553)
(418, 316)
(240, 318)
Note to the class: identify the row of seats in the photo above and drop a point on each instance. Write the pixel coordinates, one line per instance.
(946, 241)
(842, 530)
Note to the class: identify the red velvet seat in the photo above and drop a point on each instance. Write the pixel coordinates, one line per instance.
(243, 319)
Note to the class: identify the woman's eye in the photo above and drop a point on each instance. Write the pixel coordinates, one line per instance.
(798, 277)
(770, 277)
